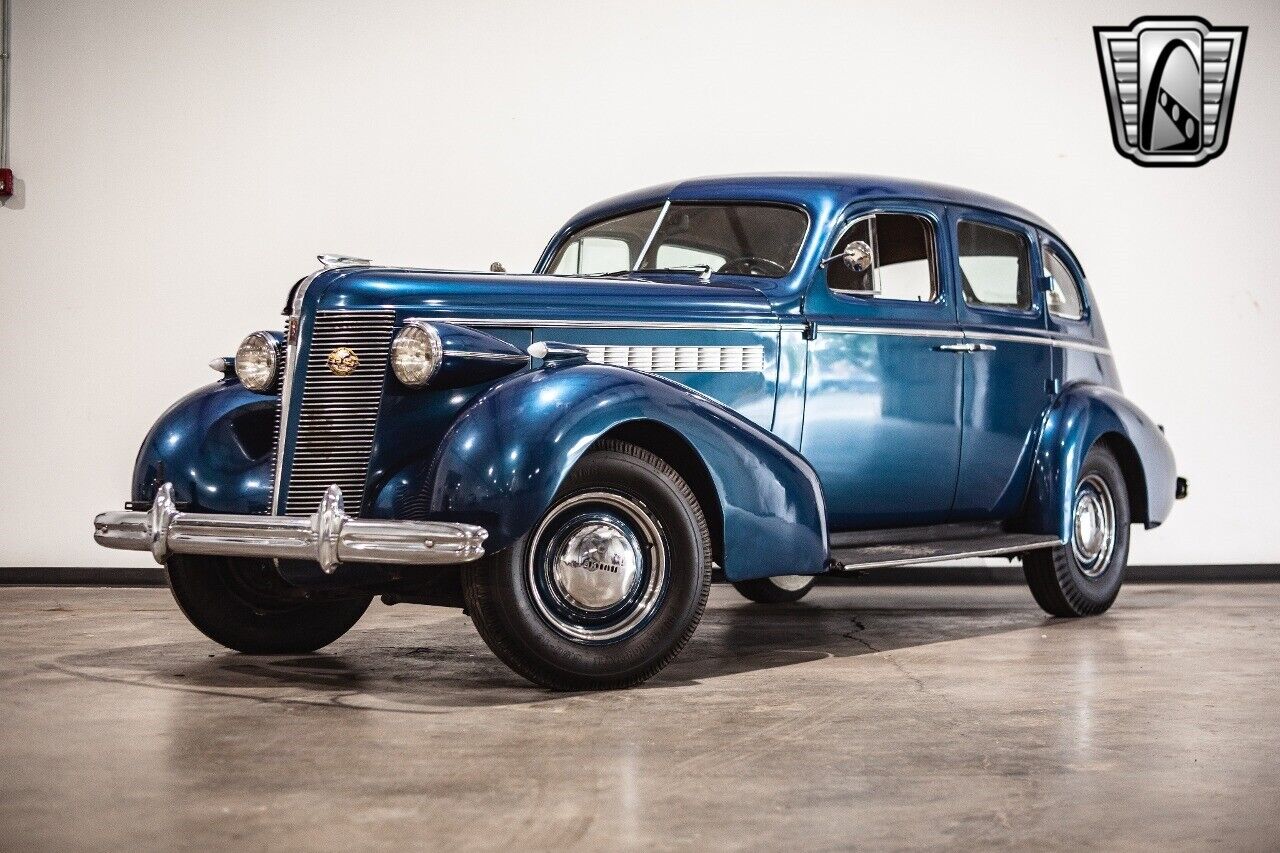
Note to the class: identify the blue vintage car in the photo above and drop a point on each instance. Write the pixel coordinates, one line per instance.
(774, 377)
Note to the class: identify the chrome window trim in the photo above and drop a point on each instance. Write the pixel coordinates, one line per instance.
(1029, 239)
(1047, 249)
(936, 277)
(648, 241)
(662, 212)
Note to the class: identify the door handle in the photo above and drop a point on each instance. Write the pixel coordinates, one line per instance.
(967, 347)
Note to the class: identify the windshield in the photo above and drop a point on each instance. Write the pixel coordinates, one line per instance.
(738, 239)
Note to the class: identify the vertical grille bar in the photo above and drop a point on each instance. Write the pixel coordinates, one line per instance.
(333, 434)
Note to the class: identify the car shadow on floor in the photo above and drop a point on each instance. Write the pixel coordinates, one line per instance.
(433, 666)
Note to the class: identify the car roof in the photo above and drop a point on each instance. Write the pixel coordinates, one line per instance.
(817, 191)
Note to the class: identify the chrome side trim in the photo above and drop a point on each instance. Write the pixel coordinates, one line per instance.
(679, 358)
(995, 551)
(1028, 338)
(329, 536)
(1043, 340)
(693, 325)
(486, 356)
(890, 330)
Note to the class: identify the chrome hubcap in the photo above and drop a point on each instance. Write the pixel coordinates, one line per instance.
(597, 566)
(1093, 534)
(791, 583)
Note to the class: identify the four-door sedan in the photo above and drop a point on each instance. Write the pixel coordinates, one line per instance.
(773, 376)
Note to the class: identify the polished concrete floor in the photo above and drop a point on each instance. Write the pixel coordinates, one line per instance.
(867, 717)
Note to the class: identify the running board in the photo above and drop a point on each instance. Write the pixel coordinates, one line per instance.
(913, 553)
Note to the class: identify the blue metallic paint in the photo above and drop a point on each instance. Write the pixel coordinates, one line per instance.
(882, 410)
(1006, 389)
(194, 446)
(505, 456)
(447, 450)
(1082, 415)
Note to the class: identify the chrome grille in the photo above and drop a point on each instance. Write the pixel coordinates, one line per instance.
(333, 436)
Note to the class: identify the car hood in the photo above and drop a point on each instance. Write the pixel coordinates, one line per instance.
(529, 298)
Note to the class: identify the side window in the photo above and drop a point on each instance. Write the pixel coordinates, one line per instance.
(995, 266)
(593, 255)
(1064, 293)
(904, 263)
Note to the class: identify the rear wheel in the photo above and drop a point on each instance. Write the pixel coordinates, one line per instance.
(781, 589)
(1083, 577)
(608, 586)
(245, 605)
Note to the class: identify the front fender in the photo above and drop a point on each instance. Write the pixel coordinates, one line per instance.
(1083, 414)
(502, 461)
(211, 446)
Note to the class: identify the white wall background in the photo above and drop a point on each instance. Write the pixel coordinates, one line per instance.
(181, 163)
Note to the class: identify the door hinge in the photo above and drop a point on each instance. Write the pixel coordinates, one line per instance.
(1053, 386)
(810, 330)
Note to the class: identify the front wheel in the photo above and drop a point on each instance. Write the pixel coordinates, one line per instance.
(1083, 577)
(608, 586)
(245, 605)
(780, 589)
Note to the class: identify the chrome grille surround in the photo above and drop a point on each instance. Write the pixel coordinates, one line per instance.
(679, 359)
(332, 435)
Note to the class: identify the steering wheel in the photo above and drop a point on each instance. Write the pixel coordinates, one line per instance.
(751, 265)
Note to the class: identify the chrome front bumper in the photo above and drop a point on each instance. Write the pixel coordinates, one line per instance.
(330, 537)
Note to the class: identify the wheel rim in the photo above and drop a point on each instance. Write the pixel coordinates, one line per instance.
(597, 566)
(791, 583)
(1093, 528)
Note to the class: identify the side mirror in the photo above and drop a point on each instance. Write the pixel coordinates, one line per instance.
(856, 256)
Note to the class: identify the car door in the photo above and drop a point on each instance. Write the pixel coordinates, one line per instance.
(882, 402)
(1007, 376)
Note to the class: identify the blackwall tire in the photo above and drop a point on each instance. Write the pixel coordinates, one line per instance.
(777, 590)
(1083, 577)
(245, 606)
(610, 584)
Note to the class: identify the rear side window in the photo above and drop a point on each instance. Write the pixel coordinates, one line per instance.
(1064, 292)
(995, 266)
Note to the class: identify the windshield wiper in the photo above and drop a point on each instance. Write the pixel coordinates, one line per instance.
(704, 271)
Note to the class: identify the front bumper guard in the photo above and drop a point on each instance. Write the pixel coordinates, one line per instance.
(330, 537)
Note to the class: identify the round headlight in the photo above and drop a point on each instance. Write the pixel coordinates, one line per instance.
(416, 353)
(256, 362)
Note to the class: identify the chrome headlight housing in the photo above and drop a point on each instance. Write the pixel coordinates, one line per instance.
(257, 360)
(416, 353)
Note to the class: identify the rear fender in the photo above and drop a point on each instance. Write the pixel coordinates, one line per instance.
(1081, 416)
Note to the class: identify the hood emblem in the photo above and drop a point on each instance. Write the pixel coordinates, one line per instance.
(343, 361)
